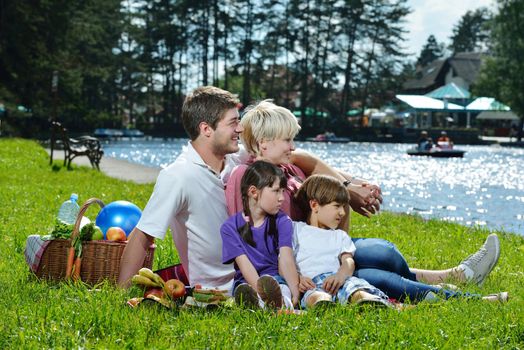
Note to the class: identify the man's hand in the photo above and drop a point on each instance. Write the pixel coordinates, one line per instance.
(365, 198)
(305, 284)
(333, 283)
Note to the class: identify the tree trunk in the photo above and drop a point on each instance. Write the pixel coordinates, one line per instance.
(248, 48)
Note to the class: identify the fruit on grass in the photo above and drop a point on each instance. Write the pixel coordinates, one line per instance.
(175, 288)
(97, 235)
(158, 292)
(115, 234)
(151, 275)
(209, 295)
(144, 281)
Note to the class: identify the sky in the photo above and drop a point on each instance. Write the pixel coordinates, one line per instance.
(437, 17)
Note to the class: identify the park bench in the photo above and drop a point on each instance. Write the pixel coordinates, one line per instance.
(73, 147)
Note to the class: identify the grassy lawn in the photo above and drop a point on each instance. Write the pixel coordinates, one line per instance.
(40, 315)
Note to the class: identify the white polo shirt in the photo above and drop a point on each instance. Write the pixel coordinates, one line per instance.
(189, 198)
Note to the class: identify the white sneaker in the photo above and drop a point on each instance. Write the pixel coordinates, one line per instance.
(501, 297)
(477, 266)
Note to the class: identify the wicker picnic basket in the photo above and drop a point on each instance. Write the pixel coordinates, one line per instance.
(100, 259)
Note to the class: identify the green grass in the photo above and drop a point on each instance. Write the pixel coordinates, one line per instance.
(36, 314)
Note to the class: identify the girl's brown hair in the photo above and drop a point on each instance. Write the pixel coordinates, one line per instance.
(260, 174)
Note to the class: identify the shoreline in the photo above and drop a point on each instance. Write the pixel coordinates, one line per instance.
(116, 168)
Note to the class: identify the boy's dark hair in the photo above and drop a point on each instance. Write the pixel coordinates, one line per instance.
(260, 174)
(205, 104)
(322, 188)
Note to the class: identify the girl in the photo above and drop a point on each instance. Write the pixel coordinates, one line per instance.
(324, 255)
(268, 133)
(258, 241)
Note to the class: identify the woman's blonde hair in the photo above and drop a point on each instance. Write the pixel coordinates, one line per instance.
(267, 121)
(322, 188)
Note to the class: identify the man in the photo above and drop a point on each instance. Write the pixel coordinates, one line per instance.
(189, 194)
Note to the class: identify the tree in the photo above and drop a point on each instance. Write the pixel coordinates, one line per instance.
(501, 75)
(472, 32)
(431, 51)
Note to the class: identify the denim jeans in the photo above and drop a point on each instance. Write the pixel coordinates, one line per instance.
(381, 264)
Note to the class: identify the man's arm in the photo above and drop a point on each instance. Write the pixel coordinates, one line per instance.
(133, 256)
(365, 198)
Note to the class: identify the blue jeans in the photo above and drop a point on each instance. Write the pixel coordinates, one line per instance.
(381, 264)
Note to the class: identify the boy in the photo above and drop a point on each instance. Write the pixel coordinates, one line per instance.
(324, 254)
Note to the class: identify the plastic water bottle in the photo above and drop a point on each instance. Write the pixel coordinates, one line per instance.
(69, 210)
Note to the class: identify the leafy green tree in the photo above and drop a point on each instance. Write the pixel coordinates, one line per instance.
(472, 32)
(501, 75)
(431, 51)
(384, 29)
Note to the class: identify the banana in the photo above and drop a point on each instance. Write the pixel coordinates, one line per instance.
(144, 271)
(144, 281)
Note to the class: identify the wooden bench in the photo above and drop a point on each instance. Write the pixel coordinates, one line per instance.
(73, 147)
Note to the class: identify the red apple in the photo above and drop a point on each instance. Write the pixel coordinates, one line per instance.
(158, 292)
(115, 234)
(175, 288)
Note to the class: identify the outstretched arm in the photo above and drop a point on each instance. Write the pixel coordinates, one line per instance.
(365, 198)
(133, 256)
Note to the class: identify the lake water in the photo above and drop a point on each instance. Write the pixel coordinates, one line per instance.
(485, 188)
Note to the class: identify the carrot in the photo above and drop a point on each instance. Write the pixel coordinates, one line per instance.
(70, 259)
(76, 272)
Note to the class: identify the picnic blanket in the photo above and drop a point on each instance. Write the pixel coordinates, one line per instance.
(34, 249)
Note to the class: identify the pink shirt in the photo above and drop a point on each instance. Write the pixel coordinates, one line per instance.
(294, 176)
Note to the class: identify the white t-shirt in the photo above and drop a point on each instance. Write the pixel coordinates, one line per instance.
(318, 250)
(189, 198)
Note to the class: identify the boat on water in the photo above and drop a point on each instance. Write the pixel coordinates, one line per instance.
(437, 153)
(328, 137)
(334, 139)
(106, 133)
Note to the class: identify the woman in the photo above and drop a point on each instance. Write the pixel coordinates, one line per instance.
(268, 135)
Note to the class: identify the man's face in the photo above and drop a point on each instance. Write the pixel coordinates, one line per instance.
(225, 136)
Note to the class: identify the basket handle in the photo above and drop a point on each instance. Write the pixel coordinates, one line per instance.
(74, 235)
(83, 209)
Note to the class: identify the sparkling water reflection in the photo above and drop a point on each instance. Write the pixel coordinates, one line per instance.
(485, 188)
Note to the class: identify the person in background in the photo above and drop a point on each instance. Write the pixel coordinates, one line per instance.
(444, 142)
(424, 143)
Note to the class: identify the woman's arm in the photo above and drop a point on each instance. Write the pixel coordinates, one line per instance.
(365, 198)
(288, 269)
(248, 270)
